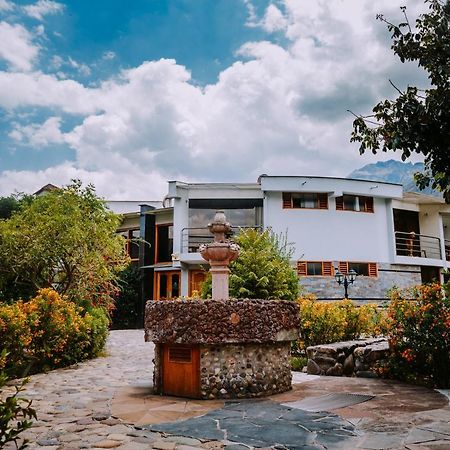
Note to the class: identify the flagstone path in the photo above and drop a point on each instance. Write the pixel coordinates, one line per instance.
(107, 403)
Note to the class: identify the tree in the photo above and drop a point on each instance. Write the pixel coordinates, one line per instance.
(65, 239)
(262, 269)
(417, 121)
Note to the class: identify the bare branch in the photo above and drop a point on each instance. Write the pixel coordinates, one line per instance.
(396, 88)
(364, 118)
(403, 8)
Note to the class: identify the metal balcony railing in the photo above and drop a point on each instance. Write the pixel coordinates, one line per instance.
(192, 238)
(447, 249)
(417, 245)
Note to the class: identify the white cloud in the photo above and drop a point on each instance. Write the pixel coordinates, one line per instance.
(281, 109)
(83, 69)
(273, 19)
(43, 8)
(39, 135)
(16, 47)
(5, 5)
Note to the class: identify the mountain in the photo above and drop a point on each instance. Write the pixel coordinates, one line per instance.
(393, 172)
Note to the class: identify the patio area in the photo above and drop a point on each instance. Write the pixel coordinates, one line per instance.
(107, 403)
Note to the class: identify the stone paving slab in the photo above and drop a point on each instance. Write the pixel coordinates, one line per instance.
(104, 403)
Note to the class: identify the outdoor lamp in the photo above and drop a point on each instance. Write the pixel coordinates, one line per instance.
(343, 280)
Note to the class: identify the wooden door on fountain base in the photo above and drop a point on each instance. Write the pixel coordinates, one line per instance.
(181, 370)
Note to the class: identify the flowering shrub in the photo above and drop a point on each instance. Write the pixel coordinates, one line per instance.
(48, 332)
(323, 323)
(419, 335)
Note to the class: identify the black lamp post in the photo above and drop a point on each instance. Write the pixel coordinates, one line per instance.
(342, 279)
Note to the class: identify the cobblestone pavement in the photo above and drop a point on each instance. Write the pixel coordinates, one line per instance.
(106, 403)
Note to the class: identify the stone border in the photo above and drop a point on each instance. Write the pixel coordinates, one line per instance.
(350, 358)
(221, 321)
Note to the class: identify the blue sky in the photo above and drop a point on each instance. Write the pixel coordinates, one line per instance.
(130, 94)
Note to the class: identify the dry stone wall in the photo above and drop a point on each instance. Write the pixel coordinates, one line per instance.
(221, 321)
(350, 358)
(243, 371)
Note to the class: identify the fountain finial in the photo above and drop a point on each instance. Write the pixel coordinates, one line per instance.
(219, 254)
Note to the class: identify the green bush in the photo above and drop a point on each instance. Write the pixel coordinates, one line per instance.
(48, 332)
(298, 362)
(323, 322)
(126, 312)
(419, 336)
(15, 415)
(262, 269)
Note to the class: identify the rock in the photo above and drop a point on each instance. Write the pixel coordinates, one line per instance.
(107, 443)
(313, 368)
(335, 371)
(101, 416)
(349, 365)
(366, 374)
(47, 442)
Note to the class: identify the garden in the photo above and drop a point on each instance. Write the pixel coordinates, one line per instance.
(61, 263)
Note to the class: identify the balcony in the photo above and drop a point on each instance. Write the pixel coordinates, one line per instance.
(419, 246)
(447, 249)
(192, 238)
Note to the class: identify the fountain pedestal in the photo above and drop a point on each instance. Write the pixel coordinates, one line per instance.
(221, 348)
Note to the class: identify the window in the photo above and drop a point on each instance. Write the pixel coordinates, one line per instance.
(305, 200)
(131, 243)
(164, 243)
(314, 268)
(361, 268)
(354, 203)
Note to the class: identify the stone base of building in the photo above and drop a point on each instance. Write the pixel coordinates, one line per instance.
(222, 349)
(245, 371)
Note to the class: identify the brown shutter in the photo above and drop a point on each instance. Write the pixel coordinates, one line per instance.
(301, 268)
(327, 268)
(369, 204)
(373, 270)
(343, 267)
(323, 201)
(340, 203)
(287, 200)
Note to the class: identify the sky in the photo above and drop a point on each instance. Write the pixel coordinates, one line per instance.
(127, 95)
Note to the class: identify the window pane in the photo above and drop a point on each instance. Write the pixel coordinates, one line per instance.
(350, 202)
(360, 268)
(305, 200)
(314, 268)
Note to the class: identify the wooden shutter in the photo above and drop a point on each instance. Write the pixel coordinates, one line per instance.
(373, 270)
(369, 204)
(323, 201)
(301, 268)
(343, 267)
(340, 205)
(327, 268)
(287, 200)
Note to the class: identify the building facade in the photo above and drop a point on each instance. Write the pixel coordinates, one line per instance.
(388, 237)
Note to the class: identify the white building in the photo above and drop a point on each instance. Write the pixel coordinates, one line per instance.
(388, 237)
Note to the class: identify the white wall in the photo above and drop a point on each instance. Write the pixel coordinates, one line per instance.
(327, 235)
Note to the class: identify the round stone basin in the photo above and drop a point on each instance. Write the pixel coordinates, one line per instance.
(235, 348)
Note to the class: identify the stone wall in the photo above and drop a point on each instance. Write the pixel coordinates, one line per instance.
(243, 371)
(221, 321)
(351, 358)
(370, 288)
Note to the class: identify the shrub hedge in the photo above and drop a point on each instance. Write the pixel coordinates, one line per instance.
(419, 336)
(47, 332)
(323, 323)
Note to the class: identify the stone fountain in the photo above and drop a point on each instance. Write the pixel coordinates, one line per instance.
(219, 254)
(221, 348)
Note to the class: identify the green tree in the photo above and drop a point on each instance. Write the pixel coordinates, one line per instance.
(262, 269)
(418, 120)
(65, 239)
